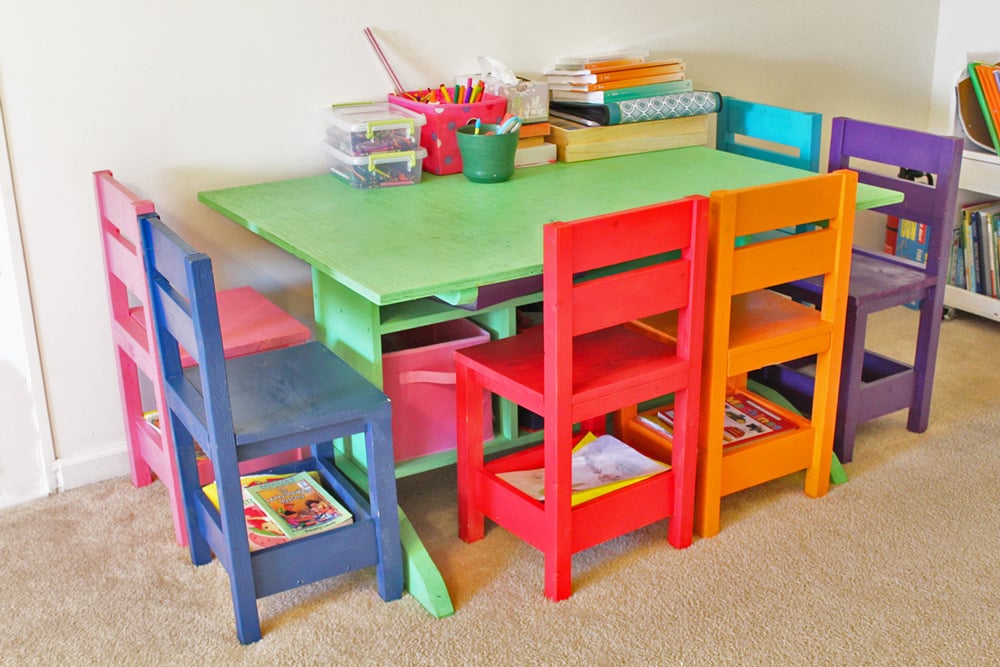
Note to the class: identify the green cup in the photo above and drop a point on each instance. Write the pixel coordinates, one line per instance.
(487, 157)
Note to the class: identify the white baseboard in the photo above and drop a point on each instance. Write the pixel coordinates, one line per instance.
(75, 471)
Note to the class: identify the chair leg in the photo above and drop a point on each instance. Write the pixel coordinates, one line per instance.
(824, 421)
(708, 488)
(851, 369)
(131, 397)
(240, 569)
(925, 361)
(681, 521)
(382, 495)
(469, 452)
(558, 534)
(188, 482)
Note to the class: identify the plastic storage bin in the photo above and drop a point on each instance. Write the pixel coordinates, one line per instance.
(438, 135)
(418, 374)
(360, 129)
(376, 170)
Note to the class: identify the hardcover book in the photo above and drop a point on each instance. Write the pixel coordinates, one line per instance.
(673, 105)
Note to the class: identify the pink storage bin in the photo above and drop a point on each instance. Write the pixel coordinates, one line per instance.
(438, 135)
(418, 374)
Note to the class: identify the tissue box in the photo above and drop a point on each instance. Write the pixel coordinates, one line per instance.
(526, 99)
(438, 136)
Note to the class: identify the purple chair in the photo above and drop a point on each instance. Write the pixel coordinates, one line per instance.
(873, 385)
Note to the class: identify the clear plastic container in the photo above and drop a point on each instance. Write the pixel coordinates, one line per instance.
(376, 170)
(380, 127)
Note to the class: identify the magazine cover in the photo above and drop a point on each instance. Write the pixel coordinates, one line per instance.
(745, 420)
(299, 505)
(600, 465)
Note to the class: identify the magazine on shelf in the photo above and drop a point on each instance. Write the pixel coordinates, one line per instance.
(600, 464)
(746, 419)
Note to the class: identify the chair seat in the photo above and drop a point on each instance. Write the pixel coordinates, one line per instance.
(272, 400)
(881, 279)
(758, 319)
(599, 359)
(766, 327)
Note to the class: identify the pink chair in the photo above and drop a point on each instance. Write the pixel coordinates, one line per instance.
(250, 323)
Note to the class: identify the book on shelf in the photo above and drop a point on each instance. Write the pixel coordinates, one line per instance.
(618, 84)
(600, 464)
(575, 142)
(262, 532)
(974, 260)
(672, 105)
(746, 419)
(635, 92)
(599, 74)
(299, 505)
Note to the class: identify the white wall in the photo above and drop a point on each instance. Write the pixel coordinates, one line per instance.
(177, 97)
(965, 26)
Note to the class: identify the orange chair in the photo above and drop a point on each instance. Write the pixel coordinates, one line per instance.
(250, 323)
(749, 327)
(583, 363)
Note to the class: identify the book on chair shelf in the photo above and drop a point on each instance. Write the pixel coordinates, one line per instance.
(299, 505)
(600, 465)
(262, 532)
(746, 419)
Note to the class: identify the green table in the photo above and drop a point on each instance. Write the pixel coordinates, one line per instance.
(379, 256)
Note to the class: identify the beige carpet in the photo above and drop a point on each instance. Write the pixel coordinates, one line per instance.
(897, 567)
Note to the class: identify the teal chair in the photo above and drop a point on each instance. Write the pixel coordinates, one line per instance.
(766, 132)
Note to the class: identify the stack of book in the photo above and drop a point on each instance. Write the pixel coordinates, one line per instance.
(618, 76)
(532, 149)
(283, 507)
(623, 103)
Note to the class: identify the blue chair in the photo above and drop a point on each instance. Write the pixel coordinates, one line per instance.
(766, 132)
(260, 404)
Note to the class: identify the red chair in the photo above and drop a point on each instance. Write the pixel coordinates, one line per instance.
(250, 323)
(583, 363)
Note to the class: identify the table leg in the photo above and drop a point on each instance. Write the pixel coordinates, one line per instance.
(349, 325)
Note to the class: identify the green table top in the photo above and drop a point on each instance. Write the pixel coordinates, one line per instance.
(446, 234)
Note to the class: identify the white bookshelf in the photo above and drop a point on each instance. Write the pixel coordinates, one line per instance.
(980, 175)
(959, 38)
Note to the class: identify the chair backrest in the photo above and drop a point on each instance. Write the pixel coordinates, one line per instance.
(783, 136)
(612, 269)
(118, 208)
(183, 300)
(876, 152)
(738, 269)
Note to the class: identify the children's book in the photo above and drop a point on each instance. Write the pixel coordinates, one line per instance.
(262, 532)
(299, 505)
(600, 465)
